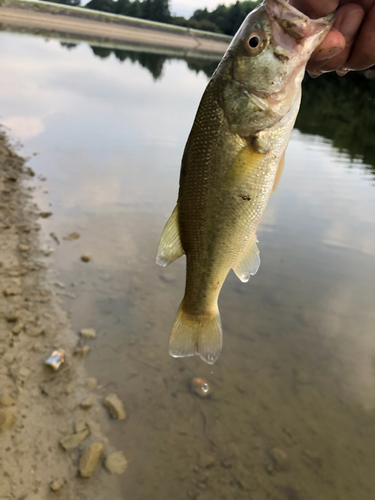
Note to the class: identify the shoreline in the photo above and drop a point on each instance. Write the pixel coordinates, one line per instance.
(39, 407)
(63, 22)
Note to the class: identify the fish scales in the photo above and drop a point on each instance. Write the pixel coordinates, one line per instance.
(232, 163)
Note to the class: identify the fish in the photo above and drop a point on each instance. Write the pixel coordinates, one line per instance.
(232, 163)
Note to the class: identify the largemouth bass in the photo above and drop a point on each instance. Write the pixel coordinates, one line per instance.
(232, 163)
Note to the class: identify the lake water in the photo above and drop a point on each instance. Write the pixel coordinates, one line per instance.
(292, 410)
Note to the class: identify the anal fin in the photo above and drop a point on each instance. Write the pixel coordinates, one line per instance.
(249, 262)
(170, 247)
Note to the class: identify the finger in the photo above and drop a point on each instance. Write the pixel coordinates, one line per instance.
(333, 43)
(348, 22)
(363, 52)
(315, 8)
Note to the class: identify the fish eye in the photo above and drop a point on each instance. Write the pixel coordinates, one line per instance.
(255, 43)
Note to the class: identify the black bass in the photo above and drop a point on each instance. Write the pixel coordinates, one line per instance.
(232, 163)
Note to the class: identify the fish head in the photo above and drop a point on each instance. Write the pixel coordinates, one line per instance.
(264, 65)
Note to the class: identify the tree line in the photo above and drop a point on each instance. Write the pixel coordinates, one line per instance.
(224, 19)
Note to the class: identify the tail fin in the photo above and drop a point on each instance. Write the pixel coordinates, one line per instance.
(196, 334)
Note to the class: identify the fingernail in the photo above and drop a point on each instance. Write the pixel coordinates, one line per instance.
(342, 71)
(325, 54)
(350, 24)
(315, 73)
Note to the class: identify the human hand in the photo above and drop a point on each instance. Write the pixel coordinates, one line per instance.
(350, 45)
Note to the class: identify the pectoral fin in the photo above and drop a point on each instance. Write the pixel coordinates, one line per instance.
(170, 247)
(249, 263)
(279, 173)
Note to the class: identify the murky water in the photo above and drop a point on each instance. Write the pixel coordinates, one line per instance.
(291, 415)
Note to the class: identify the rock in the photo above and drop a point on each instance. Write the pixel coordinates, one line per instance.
(71, 236)
(116, 463)
(82, 351)
(90, 459)
(57, 484)
(34, 331)
(17, 329)
(87, 403)
(13, 316)
(23, 372)
(115, 406)
(85, 350)
(205, 460)
(86, 258)
(6, 400)
(280, 459)
(10, 292)
(23, 248)
(88, 333)
(94, 427)
(80, 426)
(91, 383)
(200, 387)
(7, 420)
(73, 440)
(45, 215)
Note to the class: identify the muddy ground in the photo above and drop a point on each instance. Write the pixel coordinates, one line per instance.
(39, 407)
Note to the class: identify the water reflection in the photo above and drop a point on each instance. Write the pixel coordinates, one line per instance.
(290, 415)
(154, 62)
(342, 110)
(345, 114)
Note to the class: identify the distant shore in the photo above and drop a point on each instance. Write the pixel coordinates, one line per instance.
(79, 24)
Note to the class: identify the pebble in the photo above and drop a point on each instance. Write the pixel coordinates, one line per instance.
(7, 420)
(45, 215)
(34, 332)
(87, 403)
(80, 426)
(93, 426)
(86, 258)
(82, 351)
(23, 248)
(280, 459)
(205, 460)
(73, 440)
(115, 406)
(72, 236)
(6, 400)
(90, 459)
(10, 292)
(17, 329)
(200, 387)
(116, 463)
(57, 484)
(24, 372)
(13, 316)
(88, 333)
(91, 383)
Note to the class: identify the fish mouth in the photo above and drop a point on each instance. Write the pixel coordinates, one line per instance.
(295, 24)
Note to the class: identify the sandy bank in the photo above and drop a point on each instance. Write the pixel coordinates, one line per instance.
(39, 407)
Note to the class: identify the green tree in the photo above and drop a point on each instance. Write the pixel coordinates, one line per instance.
(73, 3)
(102, 5)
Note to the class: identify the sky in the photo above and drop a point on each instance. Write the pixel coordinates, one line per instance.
(186, 8)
